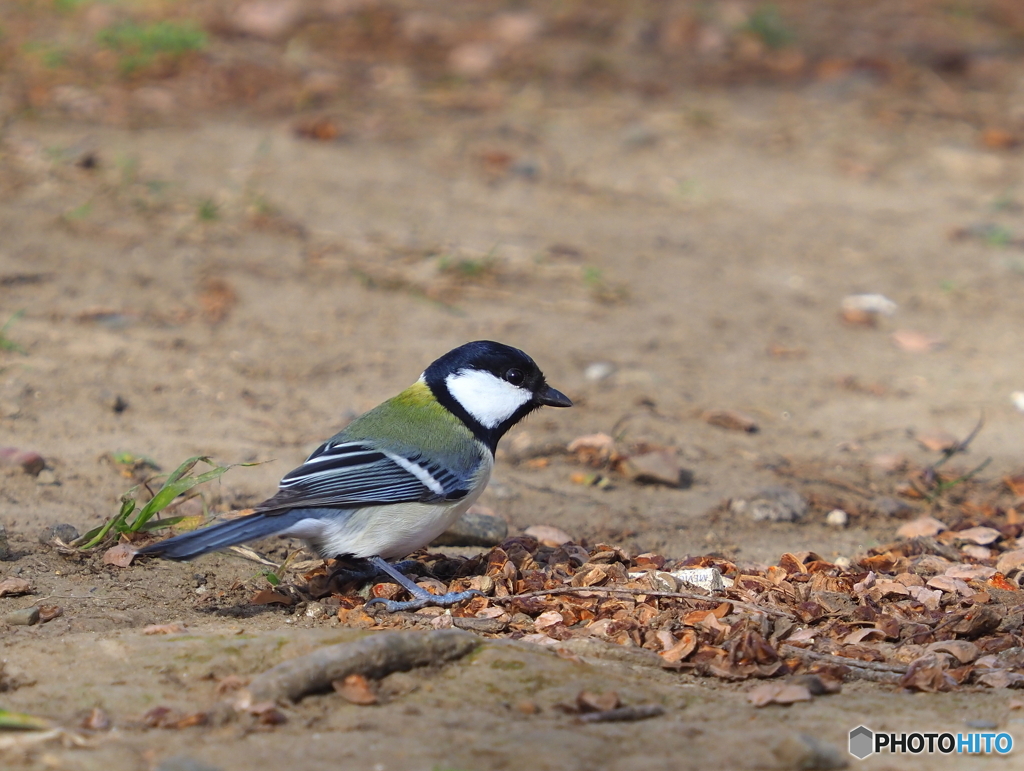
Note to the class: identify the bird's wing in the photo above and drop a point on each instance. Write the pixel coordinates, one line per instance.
(353, 475)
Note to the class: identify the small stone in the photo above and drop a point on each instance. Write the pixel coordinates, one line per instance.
(808, 753)
(46, 477)
(65, 532)
(317, 611)
(598, 371)
(31, 462)
(23, 617)
(118, 404)
(865, 309)
(891, 507)
(984, 725)
(657, 467)
(472, 529)
(1017, 398)
(527, 707)
(773, 504)
(837, 518)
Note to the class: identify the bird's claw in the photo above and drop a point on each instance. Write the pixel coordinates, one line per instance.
(424, 600)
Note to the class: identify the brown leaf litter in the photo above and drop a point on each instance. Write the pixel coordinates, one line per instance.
(927, 612)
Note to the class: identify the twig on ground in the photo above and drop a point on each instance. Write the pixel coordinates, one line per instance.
(876, 671)
(647, 593)
(621, 714)
(373, 657)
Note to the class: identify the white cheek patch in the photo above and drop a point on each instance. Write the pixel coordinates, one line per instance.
(490, 400)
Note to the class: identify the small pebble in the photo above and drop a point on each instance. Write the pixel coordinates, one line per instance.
(46, 477)
(773, 504)
(891, 507)
(598, 371)
(528, 707)
(1017, 397)
(23, 617)
(837, 518)
(985, 725)
(65, 532)
(317, 611)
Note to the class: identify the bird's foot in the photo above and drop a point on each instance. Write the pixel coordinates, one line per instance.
(423, 599)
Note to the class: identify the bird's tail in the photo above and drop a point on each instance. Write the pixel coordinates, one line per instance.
(235, 531)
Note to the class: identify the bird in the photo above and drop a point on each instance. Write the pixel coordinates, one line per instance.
(399, 475)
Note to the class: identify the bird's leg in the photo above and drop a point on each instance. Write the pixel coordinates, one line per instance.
(421, 598)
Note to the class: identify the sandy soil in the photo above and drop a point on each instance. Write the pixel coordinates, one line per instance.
(703, 257)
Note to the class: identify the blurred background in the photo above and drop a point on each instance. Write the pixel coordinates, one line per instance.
(230, 226)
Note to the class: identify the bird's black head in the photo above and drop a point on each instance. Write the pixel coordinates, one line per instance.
(490, 387)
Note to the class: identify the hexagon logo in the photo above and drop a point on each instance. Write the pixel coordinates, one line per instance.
(862, 742)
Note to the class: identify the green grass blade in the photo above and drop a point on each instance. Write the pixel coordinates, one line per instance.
(146, 527)
(19, 721)
(95, 536)
(186, 467)
(169, 492)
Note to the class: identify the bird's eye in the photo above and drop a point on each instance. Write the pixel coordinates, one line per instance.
(515, 376)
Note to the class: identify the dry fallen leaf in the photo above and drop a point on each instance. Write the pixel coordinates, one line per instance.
(999, 139)
(979, 535)
(49, 613)
(970, 572)
(270, 597)
(1008, 562)
(591, 701)
(937, 441)
(593, 449)
(859, 635)
(216, 298)
(120, 556)
(680, 650)
(548, 535)
(734, 420)
(916, 342)
(1000, 678)
(96, 720)
(922, 526)
(962, 650)
(12, 586)
(356, 689)
(778, 693)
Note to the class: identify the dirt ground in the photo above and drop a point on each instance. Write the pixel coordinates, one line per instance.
(245, 291)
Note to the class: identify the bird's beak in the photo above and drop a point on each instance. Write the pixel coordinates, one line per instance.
(552, 398)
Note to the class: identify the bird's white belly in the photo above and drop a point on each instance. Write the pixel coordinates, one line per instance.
(391, 531)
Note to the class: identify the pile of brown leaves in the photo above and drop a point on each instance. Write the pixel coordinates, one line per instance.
(925, 613)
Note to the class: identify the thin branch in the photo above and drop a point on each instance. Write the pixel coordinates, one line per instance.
(647, 593)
